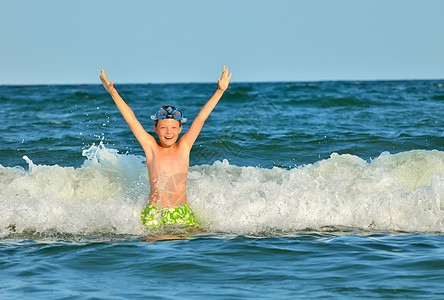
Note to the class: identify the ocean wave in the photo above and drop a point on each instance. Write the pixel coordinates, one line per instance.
(105, 195)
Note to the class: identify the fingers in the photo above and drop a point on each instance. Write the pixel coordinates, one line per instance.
(102, 74)
(225, 75)
(225, 72)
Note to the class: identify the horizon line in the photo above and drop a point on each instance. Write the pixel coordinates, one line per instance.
(233, 82)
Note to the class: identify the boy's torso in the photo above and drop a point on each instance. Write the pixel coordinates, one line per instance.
(168, 170)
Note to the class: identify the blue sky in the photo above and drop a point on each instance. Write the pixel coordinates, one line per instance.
(64, 42)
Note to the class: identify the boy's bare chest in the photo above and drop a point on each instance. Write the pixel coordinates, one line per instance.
(168, 163)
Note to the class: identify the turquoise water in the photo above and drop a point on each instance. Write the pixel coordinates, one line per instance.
(304, 265)
(303, 190)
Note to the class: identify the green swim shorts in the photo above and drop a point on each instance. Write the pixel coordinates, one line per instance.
(153, 217)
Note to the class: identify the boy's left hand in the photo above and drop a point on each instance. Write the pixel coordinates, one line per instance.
(224, 79)
(109, 86)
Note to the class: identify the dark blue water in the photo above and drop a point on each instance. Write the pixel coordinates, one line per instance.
(305, 265)
(303, 190)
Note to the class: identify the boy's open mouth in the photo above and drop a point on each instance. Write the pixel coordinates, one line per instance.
(168, 137)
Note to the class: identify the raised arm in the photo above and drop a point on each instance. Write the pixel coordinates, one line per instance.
(191, 135)
(145, 139)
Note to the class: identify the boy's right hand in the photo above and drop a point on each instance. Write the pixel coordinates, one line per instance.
(224, 79)
(109, 86)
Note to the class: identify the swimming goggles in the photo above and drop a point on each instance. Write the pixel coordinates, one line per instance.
(169, 112)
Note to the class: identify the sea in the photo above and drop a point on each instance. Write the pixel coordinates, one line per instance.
(318, 190)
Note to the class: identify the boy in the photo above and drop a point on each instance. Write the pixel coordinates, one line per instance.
(168, 160)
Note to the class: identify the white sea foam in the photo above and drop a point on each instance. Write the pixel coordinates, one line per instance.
(403, 191)
(104, 195)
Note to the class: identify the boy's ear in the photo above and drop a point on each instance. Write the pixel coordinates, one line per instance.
(155, 129)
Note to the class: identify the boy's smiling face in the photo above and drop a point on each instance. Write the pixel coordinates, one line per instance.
(168, 131)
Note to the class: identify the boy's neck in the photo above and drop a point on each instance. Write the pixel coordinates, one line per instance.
(167, 147)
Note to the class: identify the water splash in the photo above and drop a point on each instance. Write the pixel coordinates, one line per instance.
(403, 192)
